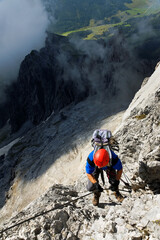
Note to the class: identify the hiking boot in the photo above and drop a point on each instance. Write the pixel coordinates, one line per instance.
(119, 196)
(95, 199)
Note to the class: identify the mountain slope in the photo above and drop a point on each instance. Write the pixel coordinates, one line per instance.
(65, 72)
(48, 152)
(145, 148)
(136, 218)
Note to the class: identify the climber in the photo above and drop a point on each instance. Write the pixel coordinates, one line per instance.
(96, 164)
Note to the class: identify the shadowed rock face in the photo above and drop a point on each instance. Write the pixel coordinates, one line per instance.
(4, 113)
(64, 72)
(41, 87)
(60, 216)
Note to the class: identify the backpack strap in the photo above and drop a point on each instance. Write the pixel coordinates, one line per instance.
(102, 176)
(100, 171)
(91, 163)
(114, 161)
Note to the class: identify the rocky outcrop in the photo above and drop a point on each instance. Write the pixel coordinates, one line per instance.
(41, 87)
(62, 213)
(4, 113)
(67, 213)
(139, 135)
(64, 72)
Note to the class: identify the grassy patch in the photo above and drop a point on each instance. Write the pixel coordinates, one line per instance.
(157, 222)
(140, 117)
(127, 25)
(100, 30)
(142, 7)
(97, 28)
(136, 12)
(137, 4)
(75, 31)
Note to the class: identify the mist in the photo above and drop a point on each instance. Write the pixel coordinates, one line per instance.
(154, 5)
(23, 25)
(111, 70)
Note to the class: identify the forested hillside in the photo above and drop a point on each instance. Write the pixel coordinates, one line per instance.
(74, 14)
(93, 19)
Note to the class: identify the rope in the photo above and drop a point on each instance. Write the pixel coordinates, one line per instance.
(127, 178)
(50, 210)
(53, 209)
(122, 190)
(126, 184)
(43, 213)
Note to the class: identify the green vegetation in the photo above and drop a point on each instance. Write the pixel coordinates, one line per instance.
(140, 117)
(137, 4)
(72, 15)
(157, 222)
(92, 19)
(94, 31)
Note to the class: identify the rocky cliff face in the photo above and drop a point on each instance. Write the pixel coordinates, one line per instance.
(41, 87)
(57, 215)
(140, 133)
(64, 72)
